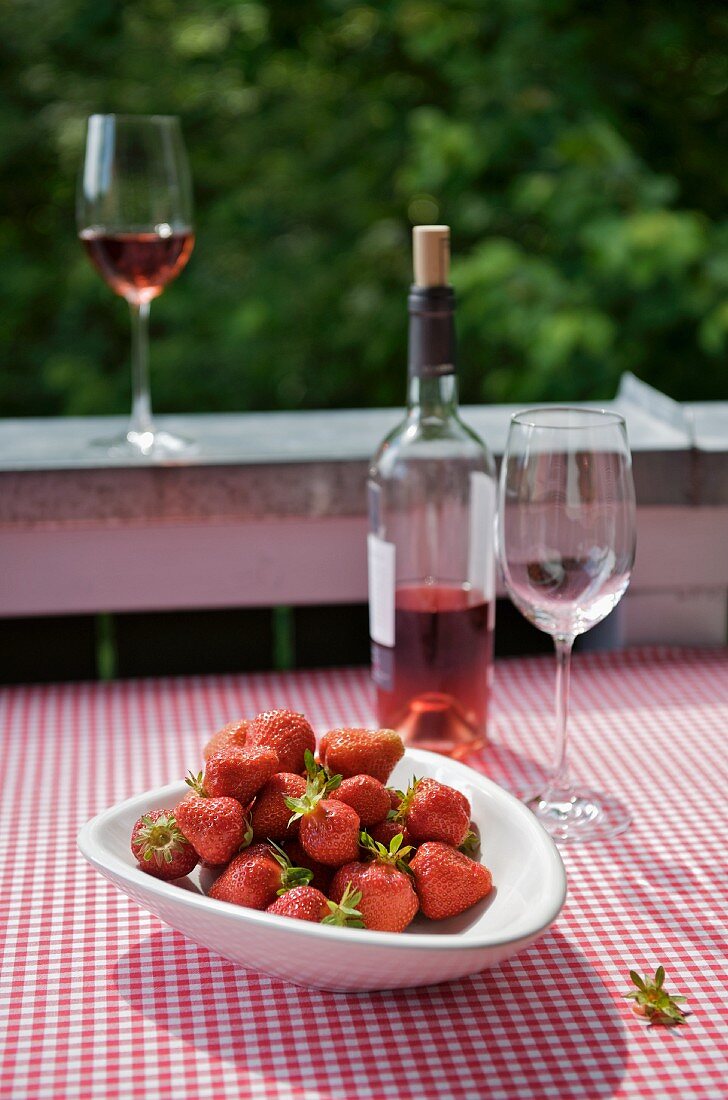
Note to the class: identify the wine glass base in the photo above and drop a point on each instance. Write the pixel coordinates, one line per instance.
(153, 444)
(580, 816)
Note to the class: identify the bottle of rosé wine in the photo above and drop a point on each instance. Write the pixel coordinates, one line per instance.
(432, 504)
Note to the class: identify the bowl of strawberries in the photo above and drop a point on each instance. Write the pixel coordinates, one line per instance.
(347, 864)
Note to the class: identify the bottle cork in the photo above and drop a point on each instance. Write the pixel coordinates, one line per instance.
(431, 252)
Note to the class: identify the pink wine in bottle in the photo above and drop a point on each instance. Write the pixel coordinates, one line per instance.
(436, 691)
(431, 540)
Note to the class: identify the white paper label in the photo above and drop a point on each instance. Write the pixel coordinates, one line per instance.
(380, 556)
(481, 551)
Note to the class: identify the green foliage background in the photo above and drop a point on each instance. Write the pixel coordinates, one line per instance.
(577, 149)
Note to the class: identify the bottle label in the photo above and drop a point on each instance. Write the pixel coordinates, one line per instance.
(381, 561)
(481, 547)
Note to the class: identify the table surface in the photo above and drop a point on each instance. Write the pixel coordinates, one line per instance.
(102, 999)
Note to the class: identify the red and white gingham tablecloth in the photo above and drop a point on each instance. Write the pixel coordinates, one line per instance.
(100, 999)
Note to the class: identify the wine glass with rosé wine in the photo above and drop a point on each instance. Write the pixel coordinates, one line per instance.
(566, 542)
(134, 216)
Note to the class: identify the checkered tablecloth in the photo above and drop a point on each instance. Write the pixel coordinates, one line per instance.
(101, 999)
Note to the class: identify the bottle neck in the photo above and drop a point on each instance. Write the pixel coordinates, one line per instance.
(434, 396)
(432, 386)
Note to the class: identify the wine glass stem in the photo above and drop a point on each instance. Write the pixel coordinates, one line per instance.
(141, 406)
(561, 779)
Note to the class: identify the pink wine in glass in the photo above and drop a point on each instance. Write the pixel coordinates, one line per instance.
(431, 535)
(433, 685)
(138, 265)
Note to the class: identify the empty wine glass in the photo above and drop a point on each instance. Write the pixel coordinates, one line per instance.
(134, 215)
(566, 542)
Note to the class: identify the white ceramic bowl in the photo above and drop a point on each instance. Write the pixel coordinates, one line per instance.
(529, 891)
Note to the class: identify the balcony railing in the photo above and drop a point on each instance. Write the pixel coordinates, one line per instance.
(272, 512)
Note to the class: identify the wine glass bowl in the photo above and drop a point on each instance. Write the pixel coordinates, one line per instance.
(134, 216)
(566, 543)
(138, 266)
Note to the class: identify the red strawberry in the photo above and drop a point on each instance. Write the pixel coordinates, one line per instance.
(255, 876)
(234, 733)
(239, 773)
(329, 830)
(395, 798)
(367, 796)
(299, 857)
(302, 903)
(330, 833)
(214, 826)
(434, 811)
(160, 847)
(388, 901)
(251, 879)
(386, 831)
(447, 881)
(288, 733)
(361, 752)
(270, 816)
